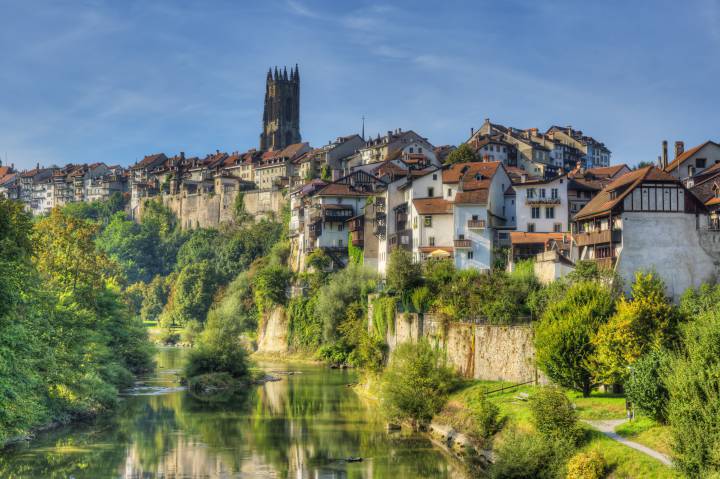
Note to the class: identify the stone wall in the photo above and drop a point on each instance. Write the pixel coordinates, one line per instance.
(479, 351)
(208, 210)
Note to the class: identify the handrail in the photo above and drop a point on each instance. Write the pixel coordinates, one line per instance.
(503, 388)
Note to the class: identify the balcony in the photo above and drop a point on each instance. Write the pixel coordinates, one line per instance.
(357, 238)
(598, 237)
(402, 239)
(542, 201)
(476, 224)
(463, 243)
(332, 213)
(605, 263)
(356, 224)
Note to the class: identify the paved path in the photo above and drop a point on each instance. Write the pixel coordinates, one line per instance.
(607, 427)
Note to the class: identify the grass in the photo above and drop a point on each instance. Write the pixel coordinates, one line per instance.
(648, 433)
(624, 462)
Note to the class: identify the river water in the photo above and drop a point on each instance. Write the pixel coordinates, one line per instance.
(304, 426)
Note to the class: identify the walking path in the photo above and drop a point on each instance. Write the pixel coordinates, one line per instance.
(607, 427)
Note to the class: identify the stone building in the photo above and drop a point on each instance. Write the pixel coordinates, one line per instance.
(281, 117)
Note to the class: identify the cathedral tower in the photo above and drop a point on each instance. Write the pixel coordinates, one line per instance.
(281, 118)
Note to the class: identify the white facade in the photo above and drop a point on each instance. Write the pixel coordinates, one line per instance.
(542, 207)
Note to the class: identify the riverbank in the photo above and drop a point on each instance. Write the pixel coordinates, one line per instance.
(514, 411)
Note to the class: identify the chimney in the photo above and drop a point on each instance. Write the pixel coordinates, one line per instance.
(37, 166)
(679, 148)
(664, 154)
(472, 131)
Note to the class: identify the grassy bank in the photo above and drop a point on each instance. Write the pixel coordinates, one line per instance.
(623, 462)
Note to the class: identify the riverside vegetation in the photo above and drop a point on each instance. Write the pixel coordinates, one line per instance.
(212, 288)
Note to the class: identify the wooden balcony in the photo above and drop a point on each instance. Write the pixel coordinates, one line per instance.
(357, 238)
(463, 243)
(605, 263)
(597, 237)
(476, 224)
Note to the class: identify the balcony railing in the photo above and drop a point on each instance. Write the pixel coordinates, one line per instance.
(463, 243)
(605, 263)
(598, 237)
(542, 201)
(476, 224)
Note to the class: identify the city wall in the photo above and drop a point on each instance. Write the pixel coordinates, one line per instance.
(208, 210)
(476, 350)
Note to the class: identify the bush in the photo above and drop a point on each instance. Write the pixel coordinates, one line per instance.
(586, 465)
(422, 299)
(484, 414)
(645, 387)
(191, 331)
(206, 360)
(522, 455)
(169, 337)
(553, 415)
(416, 383)
(342, 289)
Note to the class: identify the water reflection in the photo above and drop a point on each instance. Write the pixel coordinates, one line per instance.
(303, 426)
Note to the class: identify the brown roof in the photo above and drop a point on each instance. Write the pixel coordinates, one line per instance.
(469, 171)
(602, 203)
(341, 189)
(476, 197)
(712, 201)
(432, 206)
(150, 160)
(290, 152)
(521, 237)
(687, 154)
(610, 171)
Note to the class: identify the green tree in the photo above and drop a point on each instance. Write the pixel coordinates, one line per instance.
(554, 416)
(155, 296)
(462, 154)
(563, 337)
(190, 296)
(693, 385)
(403, 273)
(416, 383)
(647, 320)
(645, 387)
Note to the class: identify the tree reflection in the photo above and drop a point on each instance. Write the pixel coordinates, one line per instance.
(302, 426)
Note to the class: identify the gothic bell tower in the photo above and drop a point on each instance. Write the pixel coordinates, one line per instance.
(281, 117)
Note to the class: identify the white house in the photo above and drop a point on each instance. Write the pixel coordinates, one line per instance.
(542, 205)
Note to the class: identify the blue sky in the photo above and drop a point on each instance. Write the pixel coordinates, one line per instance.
(91, 80)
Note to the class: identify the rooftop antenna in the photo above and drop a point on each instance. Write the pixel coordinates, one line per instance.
(363, 127)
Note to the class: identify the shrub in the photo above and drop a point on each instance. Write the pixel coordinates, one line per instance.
(484, 414)
(169, 337)
(191, 331)
(586, 465)
(384, 308)
(342, 289)
(553, 415)
(522, 455)
(416, 383)
(206, 360)
(421, 299)
(645, 387)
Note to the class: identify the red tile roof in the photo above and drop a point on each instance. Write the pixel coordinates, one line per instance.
(469, 171)
(476, 197)
(340, 189)
(521, 237)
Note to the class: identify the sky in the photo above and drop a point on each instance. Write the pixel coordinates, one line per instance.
(112, 81)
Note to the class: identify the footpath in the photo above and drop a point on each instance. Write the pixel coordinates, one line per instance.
(607, 427)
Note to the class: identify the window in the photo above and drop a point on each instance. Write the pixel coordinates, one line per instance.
(340, 227)
(549, 213)
(531, 192)
(700, 162)
(431, 240)
(431, 191)
(469, 255)
(419, 149)
(557, 227)
(531, 227)
(535, 212)
(434, 176)
(428, 221)
(449, 192)
(340, 243)
(554, 193)
(475, 217)
(542, 192)
(461, 237)
(411, 149)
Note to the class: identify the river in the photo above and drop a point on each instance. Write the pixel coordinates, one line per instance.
(303, 426)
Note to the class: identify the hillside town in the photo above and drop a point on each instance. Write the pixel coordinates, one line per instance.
(506, 194)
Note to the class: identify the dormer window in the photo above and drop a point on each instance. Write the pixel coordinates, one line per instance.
(613, 194)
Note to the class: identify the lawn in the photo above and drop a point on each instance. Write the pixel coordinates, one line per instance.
(648, 433)
(623, 461)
